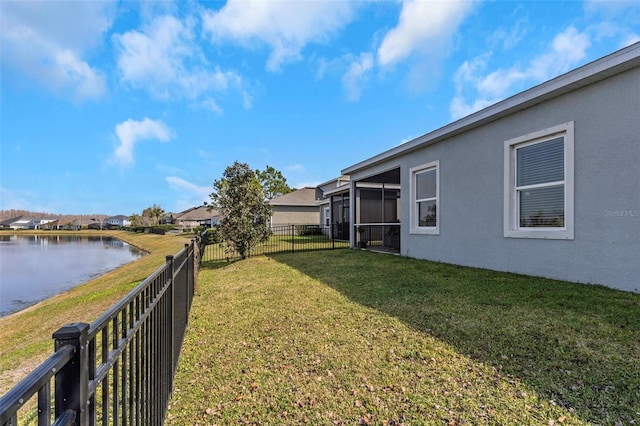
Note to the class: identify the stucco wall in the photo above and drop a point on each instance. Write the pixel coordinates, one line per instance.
(295, 215)
(606, 247)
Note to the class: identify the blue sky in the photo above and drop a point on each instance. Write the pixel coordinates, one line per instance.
(110, 107)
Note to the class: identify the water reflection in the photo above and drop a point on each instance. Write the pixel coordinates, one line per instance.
(36, 267)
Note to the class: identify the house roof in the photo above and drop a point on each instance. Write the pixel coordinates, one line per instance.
(196, 213)
(117, 217)
(301, 197)
(12, 220)
(605, 67)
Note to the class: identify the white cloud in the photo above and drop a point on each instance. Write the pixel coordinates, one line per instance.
(130, 132)
(566, 51)
(165, 59)
(285, 26)
(612, 6)
(212, 105)
(49, 42)
(508, 38)
(197, 193)
(356, 75)
(423, 26)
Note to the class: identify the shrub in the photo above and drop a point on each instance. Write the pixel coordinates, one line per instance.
(306, 230)
(212, 236)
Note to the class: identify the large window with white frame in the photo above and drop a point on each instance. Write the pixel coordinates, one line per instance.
(425, 199)
(538, 184)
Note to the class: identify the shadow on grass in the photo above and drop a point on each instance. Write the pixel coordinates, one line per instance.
(575, 345)
(217, 264)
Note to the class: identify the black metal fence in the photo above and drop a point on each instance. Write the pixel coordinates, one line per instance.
(286, 238)
(119, 369)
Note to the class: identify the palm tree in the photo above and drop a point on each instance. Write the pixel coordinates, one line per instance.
(136, 219)
(155, 212)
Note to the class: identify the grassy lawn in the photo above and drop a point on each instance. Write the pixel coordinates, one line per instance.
(350, 337)
(25, 337)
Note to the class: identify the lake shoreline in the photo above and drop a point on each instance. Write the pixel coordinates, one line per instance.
(25, 336)
(35, 267)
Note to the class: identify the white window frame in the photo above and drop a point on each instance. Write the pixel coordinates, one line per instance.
(512, 228)
(413, 212)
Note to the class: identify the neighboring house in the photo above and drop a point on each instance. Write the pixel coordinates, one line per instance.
(116, 221)
(40, 223)
(195, 217)
(544, 183)
(333, 202)
(61, 223)
(295, 208)
(23, 222)
(19, 222)
(167, 219)
(78, 224)
(70, 224)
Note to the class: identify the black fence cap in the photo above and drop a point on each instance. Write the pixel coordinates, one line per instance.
(71, 330)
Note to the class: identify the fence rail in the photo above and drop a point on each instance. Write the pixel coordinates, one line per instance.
(286, 238)
(119, 369)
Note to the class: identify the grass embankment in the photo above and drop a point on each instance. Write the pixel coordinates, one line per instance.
(348, 337)
(25, 336)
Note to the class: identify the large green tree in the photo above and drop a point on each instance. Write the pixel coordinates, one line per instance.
(240, 199)
(273, 182)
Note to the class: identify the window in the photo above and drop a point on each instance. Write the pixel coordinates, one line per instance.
(425, 197)
(538, 184)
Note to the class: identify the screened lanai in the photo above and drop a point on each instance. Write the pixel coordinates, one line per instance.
(377, 211)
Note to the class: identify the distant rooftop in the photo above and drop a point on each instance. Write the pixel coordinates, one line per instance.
(301, 197)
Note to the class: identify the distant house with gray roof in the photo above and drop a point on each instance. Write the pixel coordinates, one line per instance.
(24, 222)
(196, 216)
(116, 221)
(295, 208)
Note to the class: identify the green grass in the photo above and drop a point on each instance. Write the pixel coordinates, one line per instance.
(349, 337)
(25, 336)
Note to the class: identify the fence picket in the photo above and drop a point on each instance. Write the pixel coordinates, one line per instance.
(286, 238)
(138, 339)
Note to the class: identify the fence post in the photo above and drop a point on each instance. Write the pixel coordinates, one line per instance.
(190, 274)
(172, 304)
(332, 232)
(72, 381)
(293, 234)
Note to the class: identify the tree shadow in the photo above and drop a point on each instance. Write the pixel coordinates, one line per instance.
(217, 264)
(576, 345)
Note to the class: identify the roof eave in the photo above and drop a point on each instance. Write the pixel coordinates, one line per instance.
(588, 74)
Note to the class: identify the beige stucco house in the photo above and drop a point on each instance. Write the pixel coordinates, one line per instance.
(295, 208)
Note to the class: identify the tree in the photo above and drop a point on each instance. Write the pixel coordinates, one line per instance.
(273, 183)
(154, 213)
(136, 219)
(240, 198)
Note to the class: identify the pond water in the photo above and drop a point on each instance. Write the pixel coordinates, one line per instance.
(36, 267)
